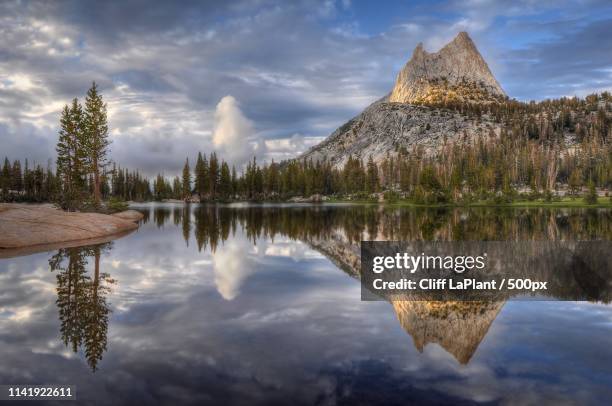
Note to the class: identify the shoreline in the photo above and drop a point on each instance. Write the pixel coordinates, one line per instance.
(518, 204)
(578, 203)
(27, 228)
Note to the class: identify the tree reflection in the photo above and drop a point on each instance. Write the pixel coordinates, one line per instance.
(214, 224)
(177, 215)
(186, 222)
(81, 299)
(335, 232)
(161, 216)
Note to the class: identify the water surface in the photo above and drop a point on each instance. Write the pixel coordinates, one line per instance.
(248, 304)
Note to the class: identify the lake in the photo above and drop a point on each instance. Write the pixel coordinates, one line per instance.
(261, 304)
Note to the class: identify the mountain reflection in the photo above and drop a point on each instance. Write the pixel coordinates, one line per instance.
(458, 327)
(81, 299)
(336, 231)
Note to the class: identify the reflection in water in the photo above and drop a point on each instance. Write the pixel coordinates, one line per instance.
(230, 270)
(186, 216)
(253, 311)
(81, 300)
(458, 327)
(160, 216)
(214, 224)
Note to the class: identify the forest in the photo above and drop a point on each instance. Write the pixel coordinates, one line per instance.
(544, 150)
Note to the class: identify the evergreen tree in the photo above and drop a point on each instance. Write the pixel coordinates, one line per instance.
(71, 163)
(234, 181)
(372, 183)
(201, 176)
(591, 195)
(186, 185)
(96, 137)
(225, 181)
(5, 180)
(50, 183)
(177, 188)
(16, 177)
(575, 182)
(213, 175)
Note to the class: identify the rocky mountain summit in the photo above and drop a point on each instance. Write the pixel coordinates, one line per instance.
(456, 72)
(405, 118)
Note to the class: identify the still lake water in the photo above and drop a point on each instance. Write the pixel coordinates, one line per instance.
(251, 304)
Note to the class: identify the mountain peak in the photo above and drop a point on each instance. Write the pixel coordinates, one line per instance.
(457, 72)
(463, 36)
(463, 41)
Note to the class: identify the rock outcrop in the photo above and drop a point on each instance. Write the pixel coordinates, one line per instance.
(408, 118)
(387, 128)
(29, 228)
(129, 215)
(455, 73)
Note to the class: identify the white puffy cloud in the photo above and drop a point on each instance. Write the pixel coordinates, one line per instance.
(233, 134)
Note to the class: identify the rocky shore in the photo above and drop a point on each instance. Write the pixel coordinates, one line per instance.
(26, 228)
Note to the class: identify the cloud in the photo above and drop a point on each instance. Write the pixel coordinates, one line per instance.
(233, 132)
(286, 148)
(26, 142)
(554, 73)
(295, 67)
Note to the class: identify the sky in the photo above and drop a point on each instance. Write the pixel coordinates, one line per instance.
(260, 77)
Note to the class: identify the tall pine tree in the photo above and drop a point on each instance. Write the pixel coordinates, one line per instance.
(96, 136)
(201, 176)
(225, 181)
(213, 175)
(186, 187)
(71, 163)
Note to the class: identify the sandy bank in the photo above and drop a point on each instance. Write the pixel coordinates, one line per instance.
(43, 226)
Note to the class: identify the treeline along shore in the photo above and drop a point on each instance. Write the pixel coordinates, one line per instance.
(532, 160)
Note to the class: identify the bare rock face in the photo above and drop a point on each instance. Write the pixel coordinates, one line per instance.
(456, 72)
(387, 128)
(405, 119)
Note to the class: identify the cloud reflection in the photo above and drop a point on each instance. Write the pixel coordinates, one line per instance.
(232, 267)
(295, 329)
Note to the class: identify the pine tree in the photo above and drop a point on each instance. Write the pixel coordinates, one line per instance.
(177, 188)
(234, 181)
(50, 183)
(225, 181)
(28, 181)
(213, 175)
(591, 195)
(186, 186)
(96, 137)
(71, 165)
(5, 179)
(372, 176)
(201, 176)
(16, 176)
(575, 182)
